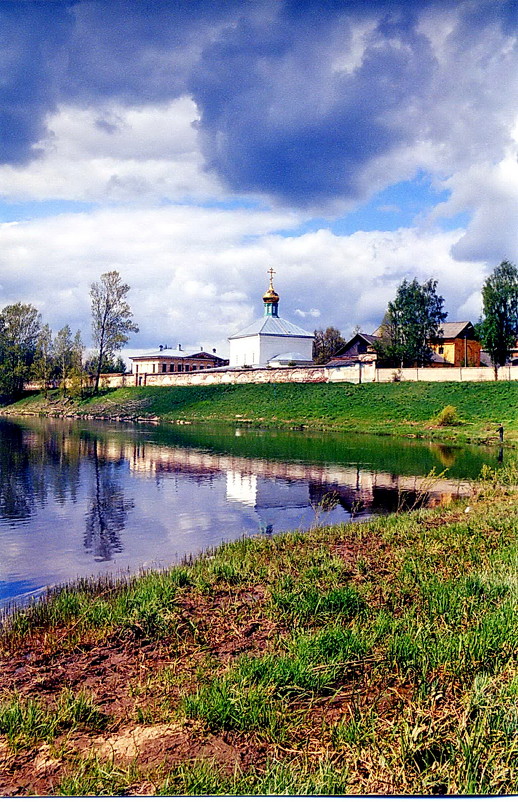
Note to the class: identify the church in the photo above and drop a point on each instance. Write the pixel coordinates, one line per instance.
(271, 341)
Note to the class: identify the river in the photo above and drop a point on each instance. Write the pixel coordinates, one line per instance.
(83, 498)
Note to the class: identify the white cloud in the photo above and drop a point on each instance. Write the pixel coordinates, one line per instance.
(112, 153)
(490, 191)
(198, 275)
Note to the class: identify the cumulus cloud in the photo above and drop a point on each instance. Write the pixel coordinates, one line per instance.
(198, 275)
(302, 103)
(113, 153)
(208, 135)
(491, 192)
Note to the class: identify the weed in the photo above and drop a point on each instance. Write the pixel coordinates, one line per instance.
(229, 703)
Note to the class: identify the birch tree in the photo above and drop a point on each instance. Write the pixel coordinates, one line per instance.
(111, 318)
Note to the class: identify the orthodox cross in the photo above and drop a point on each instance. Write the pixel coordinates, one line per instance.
(271, 271)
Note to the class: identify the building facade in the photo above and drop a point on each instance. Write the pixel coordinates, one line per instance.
(173, 360)
(457, 345)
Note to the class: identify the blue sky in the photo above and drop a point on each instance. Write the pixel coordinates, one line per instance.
(192, 145)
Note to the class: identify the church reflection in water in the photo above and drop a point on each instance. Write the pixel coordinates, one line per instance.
(273, 489)
(78, 499)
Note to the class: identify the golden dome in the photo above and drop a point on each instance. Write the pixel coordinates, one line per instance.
(270, 296)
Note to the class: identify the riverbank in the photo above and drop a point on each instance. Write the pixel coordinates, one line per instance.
(403, 408)
(376, 658)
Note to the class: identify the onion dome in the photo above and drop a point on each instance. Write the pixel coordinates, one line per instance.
(270, 296)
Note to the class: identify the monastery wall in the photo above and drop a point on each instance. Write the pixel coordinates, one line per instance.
(364, 374)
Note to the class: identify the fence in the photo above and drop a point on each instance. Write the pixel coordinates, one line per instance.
(360, 373)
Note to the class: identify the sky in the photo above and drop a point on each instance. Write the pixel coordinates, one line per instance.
(191, 145)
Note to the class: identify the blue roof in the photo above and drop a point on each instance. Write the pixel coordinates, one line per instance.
(277, 326)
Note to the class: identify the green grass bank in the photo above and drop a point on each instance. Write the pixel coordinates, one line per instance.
(408, 409)
(376, 658)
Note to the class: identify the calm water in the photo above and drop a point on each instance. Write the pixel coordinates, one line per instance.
(78, 499)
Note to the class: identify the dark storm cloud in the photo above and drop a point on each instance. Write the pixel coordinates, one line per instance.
(286, 110)
(278, 117)
(33, 39)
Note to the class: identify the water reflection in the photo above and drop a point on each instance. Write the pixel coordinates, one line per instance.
(78, 499)
(108, 509)
(32, 465)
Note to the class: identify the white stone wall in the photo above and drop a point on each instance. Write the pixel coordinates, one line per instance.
(316, 374)
(244, 351)
(259, 349)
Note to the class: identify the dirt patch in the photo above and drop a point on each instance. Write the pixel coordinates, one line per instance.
(366, 555)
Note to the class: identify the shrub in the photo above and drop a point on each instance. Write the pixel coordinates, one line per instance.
(448, 416)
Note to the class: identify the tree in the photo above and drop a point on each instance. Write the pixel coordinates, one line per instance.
(111, 318)
(19, 328)
(412, 321)
(498, 329)
(326, 344)
(44, 363)
(63, 345)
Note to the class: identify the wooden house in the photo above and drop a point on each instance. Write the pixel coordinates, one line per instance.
(360, 348)
(457, 346)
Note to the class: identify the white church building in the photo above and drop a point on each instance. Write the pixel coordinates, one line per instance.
(271, 340)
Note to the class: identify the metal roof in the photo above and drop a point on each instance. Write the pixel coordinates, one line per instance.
(175, 352)
(290, 356)
(277, 326)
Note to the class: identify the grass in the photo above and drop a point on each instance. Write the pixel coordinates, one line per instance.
(95, 777)
(142, 607)
(203, 778)
(406, 408)
(26, 721)
(378, 658)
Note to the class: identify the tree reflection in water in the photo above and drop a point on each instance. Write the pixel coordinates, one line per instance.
(108, 509)
(34, 464)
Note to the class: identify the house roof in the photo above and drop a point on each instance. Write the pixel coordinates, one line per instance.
(454, 329)
(340, 363)
(175, 352)
(370, 339)
(438, 359)
(290, 356)
(277, 326)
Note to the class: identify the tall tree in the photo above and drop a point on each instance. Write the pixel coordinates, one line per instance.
(111, 318)
(63, 349)
(498, 329)
(77, 369)
(44, 363)
(412, 321)
(326, 344)
(19, 328)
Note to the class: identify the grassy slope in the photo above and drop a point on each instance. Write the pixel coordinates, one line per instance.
(376, 658)
(404, 408)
